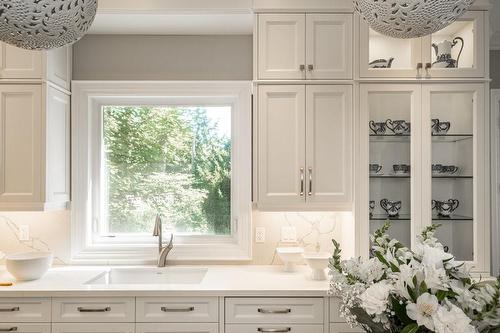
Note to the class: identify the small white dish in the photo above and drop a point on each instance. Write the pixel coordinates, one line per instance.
(290, 257)
(28, 266)
(318, 262)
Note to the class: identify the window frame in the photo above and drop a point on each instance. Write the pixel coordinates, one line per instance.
(88, 97)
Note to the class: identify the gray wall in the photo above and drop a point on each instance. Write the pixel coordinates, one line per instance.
(495, 69)
(133, 57)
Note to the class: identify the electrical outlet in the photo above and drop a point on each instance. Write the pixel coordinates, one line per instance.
(24, 233)
(260, 235)
(288, 234)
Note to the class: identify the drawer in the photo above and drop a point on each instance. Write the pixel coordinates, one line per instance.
(344, 328)
(93, 328)
(335, 311)
(274, 310)
(177, 328)
(273, 328)
(24, 310)
(97, 310)
(178, 309)
(25, 328)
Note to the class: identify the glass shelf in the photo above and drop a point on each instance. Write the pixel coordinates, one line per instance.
(452, 218)
(451, 137)
(390, 138)
(407, 217)
(390, 176)
(452, 177)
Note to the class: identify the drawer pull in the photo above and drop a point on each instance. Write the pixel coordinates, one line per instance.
(274, 330)
(188, 309)
(14, 309)
(106, 309)
(10, 329)
(280, 311)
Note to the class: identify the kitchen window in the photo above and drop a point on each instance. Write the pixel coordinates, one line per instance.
(179, 149)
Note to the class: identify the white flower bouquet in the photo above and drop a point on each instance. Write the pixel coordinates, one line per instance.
(405, 291)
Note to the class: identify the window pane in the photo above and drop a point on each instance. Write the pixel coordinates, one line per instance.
(170, 160)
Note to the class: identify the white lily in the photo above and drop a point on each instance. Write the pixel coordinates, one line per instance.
(423, 311)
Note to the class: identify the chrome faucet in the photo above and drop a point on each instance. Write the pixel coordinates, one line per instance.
(163, 250)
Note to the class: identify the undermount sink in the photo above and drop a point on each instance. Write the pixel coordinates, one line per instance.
(167, 275)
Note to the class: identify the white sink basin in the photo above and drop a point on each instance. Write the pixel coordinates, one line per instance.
(167, 275)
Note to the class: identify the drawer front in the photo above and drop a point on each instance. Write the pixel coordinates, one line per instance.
(335, 311)
(344, 328)
(25, 328)
(178, 310)
(177, 328)
(273, 328)
(97, 310)
(24, 310)
(274, 310)
(93, 328)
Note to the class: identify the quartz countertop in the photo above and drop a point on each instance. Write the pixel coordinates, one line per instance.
(244, 280)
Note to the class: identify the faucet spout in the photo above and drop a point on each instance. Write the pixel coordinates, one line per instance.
(162, 250)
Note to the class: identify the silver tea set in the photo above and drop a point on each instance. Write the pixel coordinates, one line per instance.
(397, 169)
(402, 127)
(445, 208)
(391, 207)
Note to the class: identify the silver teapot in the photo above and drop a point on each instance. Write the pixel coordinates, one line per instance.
(443, 53)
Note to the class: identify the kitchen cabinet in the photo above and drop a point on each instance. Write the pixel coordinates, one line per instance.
(93, 328)
(24, 328)
(424, 160)
(305, 46)
(344, 328)
(456, 51)
(304, 147)
(34, 141)
(177, 328)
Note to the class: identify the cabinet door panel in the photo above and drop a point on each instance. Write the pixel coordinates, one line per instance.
(265, 328)
(177, 328)
(281, 146)
(20, 144)
(281, 46)
(25, 328)
(344, 328)
(59, 66)
(17, 63)
(329, 46)
(24, 310)
(93, 328)
(329, 144)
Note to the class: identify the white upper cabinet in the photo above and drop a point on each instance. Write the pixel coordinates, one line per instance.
(456, 51)
(329, 50)
(282, 46)
(53, 65)
(304, 147)
(305, 46)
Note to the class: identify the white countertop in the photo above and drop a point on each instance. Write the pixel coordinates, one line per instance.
(242, 280)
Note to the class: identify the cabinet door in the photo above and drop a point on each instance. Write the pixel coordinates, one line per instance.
(93, 328)
(329, 50)
(24, 328)
(281, 146)
(20, 145)
(177, 328)
(58, 148)
(281, 46)
(329, 145)
(17, 63)
(59, 66)
(344, 328)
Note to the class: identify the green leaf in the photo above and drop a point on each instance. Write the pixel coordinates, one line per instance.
(381, 258)
(400, 310)
(423, 288)
(411, 328)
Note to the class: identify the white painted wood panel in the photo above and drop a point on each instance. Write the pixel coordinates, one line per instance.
(274, 328)
(329, 132)
(335, 311)
(281, 46)
(177, 310)
(93, 328)
(344, 328)
(59, 66)
(97, 310)
(24, 310)
(21, 144)
(281, 145)
(24, 328)
(329, 46)
(177, 328)
(274, 310)
(17, 63)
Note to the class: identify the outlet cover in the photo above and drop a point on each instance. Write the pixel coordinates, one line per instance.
(288, 234)
(260, 235)
(24, 233)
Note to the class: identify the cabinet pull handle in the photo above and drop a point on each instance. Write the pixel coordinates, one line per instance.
(188, 309)
(279, 311)
(427, 67)
(302, 68)
(14, 309)
(419, 68)
(301, 182)
(274, 330)
(310, 67)
(310, 182)
(106, 309)
(10, 329)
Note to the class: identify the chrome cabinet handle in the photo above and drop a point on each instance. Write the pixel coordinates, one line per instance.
(419, 68)
(274, 330)
(14, 309)
(270, 311)
(427, 67)
(106, 309)
(310, 67)
(10, 329)
(310, 181)
(302, 68)
(301, 182)
(188, 309)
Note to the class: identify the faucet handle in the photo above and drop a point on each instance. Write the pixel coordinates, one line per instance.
(157, 228)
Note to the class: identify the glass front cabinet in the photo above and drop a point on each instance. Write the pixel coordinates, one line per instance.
(455, 51)
(424, 160)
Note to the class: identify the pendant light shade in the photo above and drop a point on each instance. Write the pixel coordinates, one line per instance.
(45, 24)
(410, 18)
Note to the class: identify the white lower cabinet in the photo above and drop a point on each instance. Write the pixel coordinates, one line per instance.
(177, 309)
(24, 310)
(177, 328)
(344, 328)
(274, 328)
(98, 310)
(24, 328)
(93, 328)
